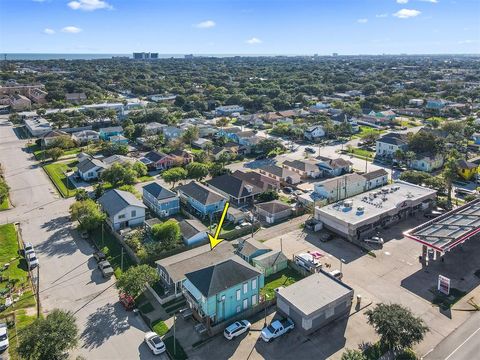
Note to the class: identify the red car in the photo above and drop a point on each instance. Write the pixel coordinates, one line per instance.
(127, 301)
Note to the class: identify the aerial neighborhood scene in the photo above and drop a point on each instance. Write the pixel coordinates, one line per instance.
(214, 179)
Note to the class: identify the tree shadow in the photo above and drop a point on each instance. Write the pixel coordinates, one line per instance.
(60, 241)
(107, 321)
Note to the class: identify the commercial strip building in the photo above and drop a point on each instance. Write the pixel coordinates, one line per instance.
(37, 126)
(315, 301)
(362, 215)
(449, 230)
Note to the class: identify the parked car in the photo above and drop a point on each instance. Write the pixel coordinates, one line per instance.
(433, 214)
(287, 190)
(277, 329)
(374, 240)
(325, 236)
(310, 150)
(99, 256)
(105, 268)
(3, 337)
(127, 301)
(155, 343)
(28, 247)
(32, 259)
(337, 274)
(236, 329)
(308, 261)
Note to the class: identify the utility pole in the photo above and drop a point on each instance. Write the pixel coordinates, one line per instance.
(38, 291)
(174, 334)
(102, 237)
(121, 261)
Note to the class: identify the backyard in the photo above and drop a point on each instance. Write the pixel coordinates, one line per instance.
(14, 287)
(110, 246)
(4, 205)
(285, 277)
(57, 173)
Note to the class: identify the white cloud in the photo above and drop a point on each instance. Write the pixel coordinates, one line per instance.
(362, 21)
(207, 24)
(71, 29)
(402, 1)
(381, 15)
(407, 13)
(467, 42)
(253, 41)
(89, 5)
(431, 1)
(48, 31)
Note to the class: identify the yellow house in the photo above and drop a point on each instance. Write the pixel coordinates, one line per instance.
(466, 170)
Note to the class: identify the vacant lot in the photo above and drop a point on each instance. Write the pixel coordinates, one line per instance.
(57, 173)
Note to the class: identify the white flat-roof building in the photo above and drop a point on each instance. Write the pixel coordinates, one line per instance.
(361, 215)
(37, 126)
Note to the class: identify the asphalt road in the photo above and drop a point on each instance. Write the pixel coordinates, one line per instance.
(68, 278)
(462, 344)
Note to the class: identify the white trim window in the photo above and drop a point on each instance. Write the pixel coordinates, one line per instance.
(245, 304)
(239, 308)
(254, 284)
(254, 300)
(245, 287)
(238, 294)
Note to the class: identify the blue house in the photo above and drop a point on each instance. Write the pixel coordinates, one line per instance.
(107, 133)
(230, 133)
(201, 200)
(435, 104)
(250, 249)
(161, 201)
(222, 291)
(228, 110)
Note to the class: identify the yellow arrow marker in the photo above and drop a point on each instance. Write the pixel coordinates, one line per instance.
(214, 240)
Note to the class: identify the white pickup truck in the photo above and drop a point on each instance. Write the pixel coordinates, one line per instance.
(276, 329)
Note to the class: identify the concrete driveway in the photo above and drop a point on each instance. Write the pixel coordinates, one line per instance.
(68, 278)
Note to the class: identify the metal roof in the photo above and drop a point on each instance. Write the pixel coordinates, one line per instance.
(448, 230)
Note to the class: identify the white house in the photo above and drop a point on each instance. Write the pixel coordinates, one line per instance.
(85, 136)
(123, 209)
(341, 187)
(388, 144)
(314, 132)
(427, 163)
(89, 169)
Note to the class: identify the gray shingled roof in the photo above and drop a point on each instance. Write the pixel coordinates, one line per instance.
(233, 186)
(89, 164)
(216, 278)
(114, 201)
(375, 174)
(200, 192)
(273, 207)
(190, 228)
(158, 191)
(270, 258)
(250, 246)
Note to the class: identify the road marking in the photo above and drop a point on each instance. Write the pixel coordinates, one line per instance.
(463, 343)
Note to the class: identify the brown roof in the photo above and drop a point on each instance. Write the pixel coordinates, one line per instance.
(273, 207)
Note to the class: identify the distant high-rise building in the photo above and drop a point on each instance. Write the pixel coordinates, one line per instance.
(335, 54)
(145, 56)
(189, 56)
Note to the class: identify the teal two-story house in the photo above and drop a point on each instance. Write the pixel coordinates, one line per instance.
(161, 201)
(222, 291)
(109, 132)
(201, 200)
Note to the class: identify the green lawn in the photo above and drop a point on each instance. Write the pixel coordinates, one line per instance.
(145, 178)
(5, 204)
(112, 248)
(367, 129)
(39, 153)
(285, 277)
(56, 172)
(22, 322)
(160, 327)
(362, 153)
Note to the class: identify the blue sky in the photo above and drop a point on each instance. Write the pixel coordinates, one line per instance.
(240, 26)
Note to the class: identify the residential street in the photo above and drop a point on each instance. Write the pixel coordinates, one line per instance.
(68, 275)
(462, 344)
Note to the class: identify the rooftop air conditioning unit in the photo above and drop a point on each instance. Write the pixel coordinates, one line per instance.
(348, 203)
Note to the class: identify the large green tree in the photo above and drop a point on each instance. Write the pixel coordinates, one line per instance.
(353, 355)
(49, 338)
(119, 174)
(398, 328)
(135, 280)
(174, 175)
(168, 233)
(87, 213)
(197, 170)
